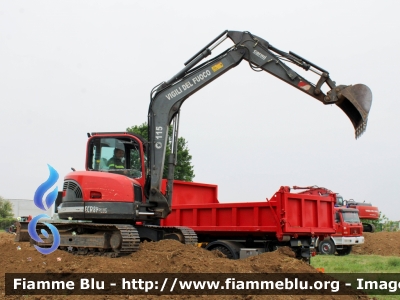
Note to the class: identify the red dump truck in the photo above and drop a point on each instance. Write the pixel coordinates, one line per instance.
(349, 228)
(248, 228)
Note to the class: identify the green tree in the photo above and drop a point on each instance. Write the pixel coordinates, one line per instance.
(184, 168)
(5, 209)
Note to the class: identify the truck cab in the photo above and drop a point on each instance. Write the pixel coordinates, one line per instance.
(349, 231)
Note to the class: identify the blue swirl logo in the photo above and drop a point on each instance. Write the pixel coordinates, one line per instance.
(44, 187)
(39, 202)
(36, 237)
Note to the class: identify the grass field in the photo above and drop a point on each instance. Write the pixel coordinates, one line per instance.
(359, 264)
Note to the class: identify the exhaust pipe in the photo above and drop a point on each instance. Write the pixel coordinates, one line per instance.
(355, 101)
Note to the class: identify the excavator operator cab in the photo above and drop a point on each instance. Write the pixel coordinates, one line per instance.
(119, 155)
(339, 200)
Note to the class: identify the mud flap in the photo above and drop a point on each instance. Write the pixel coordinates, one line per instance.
(355, 101)
(305, 252)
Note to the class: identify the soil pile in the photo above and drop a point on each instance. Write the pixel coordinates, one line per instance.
(163, 257)
(379, 243)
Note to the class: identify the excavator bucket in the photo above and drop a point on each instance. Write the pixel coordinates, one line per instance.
(356, 102)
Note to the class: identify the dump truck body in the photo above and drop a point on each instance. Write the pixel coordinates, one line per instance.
(286, 219)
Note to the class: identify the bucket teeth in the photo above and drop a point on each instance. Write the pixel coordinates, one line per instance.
(361, 129)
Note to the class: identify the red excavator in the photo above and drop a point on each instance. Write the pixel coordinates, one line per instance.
(111, 209)
(366, 212)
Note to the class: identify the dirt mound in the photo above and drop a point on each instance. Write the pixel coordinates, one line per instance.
(380, 243)
(163, 257)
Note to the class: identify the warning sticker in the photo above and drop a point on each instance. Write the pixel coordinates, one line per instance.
(304, 85)
(217, 66)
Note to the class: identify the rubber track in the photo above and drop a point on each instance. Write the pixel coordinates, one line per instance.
(189, 235)
(130, 238)
(129, 234)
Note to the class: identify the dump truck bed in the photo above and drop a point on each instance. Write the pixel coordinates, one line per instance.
(285, 214)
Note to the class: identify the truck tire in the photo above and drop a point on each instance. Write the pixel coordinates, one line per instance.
(229, 248)
(345, 251)
(368, 227)
(326, 247)
(224, 251)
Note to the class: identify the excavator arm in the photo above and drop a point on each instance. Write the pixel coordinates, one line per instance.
(355, 101)
(168, 97)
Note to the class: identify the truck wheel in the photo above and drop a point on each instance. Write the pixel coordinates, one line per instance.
(368, 227)
(345, 251)
(326, 247)
(225, 251)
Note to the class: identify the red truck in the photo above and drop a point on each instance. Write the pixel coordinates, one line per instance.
(248, 228)
(348, 226)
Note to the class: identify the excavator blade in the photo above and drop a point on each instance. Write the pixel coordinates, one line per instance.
(22, 234)
(356, 102)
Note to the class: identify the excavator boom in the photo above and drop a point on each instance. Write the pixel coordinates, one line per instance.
(167, 97)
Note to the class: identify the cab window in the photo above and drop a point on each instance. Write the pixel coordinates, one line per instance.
(115, 155)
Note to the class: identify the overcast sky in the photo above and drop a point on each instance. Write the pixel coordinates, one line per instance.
(72, 67)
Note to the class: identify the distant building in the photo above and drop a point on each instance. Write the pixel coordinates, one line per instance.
(26, 207)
